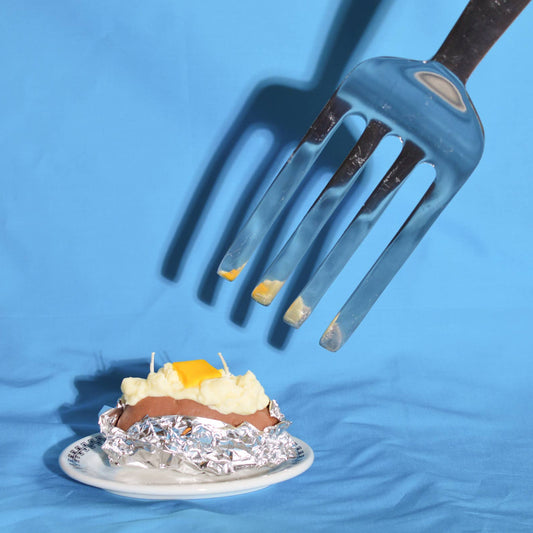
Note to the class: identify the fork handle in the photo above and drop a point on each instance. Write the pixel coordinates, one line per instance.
(480, 25)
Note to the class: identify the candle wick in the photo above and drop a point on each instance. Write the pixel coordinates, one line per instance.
(226, 369)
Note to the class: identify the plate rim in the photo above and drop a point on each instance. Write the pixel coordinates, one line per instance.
(196, 490)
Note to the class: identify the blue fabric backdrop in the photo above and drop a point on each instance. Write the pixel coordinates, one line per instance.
(133, 138)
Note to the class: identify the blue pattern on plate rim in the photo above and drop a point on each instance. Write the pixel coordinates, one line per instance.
(92, 442)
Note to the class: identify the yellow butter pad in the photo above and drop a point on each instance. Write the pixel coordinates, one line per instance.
(192, 373)
(231, 275)
(265, 292)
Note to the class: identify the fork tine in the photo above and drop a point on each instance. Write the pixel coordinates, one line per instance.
(209, 285)
(350, 240)
(319, 213)
(283, 187)
(387, 265)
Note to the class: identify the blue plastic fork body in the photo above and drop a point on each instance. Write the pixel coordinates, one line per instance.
(419, 101)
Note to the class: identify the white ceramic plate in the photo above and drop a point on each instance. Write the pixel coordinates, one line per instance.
(85, 461)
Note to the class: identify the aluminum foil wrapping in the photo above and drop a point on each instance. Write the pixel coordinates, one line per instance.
(195, 445)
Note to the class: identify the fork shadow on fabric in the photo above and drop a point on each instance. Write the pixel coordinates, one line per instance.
(285, 108)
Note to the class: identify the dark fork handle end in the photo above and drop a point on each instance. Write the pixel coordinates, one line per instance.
(480, 25)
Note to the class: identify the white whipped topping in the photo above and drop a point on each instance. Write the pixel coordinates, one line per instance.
(243, 395)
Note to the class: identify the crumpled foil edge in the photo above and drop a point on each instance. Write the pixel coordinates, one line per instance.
(196, 445)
